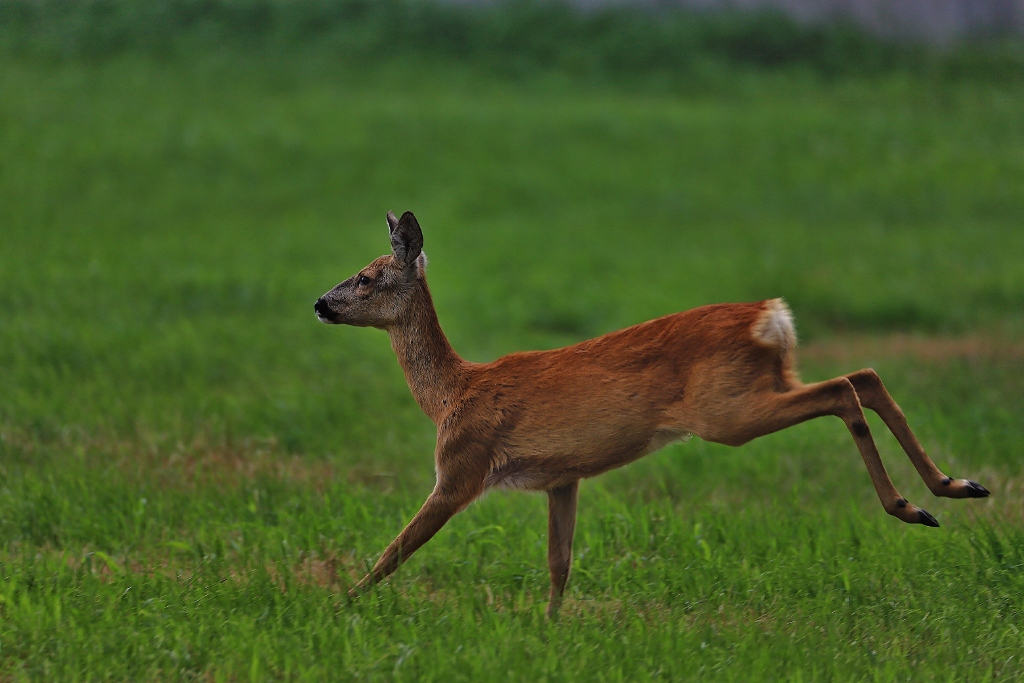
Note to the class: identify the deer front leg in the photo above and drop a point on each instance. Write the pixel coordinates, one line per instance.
(873, 395)
(561, 527)
(440, 506)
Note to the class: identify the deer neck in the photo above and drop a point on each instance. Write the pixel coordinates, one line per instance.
(432, 368)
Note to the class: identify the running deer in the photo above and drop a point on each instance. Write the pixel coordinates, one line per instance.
(543, 420)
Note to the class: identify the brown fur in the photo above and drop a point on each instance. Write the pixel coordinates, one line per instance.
(543, 420)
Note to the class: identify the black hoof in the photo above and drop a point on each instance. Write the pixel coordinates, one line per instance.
(924, 517)
(976, 490)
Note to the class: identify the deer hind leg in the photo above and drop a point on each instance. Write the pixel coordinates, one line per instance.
(873, 395)
(561, 527)
(775, 411)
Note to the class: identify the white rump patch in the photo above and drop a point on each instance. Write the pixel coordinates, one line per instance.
(775, 326)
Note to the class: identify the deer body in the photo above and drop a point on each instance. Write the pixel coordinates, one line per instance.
(553, 417)
(543, 420)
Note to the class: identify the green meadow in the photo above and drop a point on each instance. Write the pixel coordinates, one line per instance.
(193, 470)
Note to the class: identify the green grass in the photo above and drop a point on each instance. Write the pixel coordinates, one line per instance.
(193, 470)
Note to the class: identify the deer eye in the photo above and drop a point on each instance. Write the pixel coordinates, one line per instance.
(363, 280)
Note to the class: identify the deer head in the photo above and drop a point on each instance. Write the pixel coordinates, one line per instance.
(382, 292)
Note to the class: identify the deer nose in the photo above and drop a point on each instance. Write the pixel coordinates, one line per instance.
(321, 308)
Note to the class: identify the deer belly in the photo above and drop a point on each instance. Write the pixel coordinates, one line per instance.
(512, 474)
(544, 471)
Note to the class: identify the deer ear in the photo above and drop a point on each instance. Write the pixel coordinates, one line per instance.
(406, 238)
(392, 221)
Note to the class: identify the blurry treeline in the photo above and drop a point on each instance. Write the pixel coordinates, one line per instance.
(512, 36)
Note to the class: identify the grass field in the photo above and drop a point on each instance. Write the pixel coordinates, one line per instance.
(193, 470)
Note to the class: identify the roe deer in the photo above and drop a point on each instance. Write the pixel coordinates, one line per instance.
(543, 420)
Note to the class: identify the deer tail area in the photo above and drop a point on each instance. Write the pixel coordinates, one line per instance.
(774, 328)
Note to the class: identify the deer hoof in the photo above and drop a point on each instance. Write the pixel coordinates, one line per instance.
(961, 488)
(925, 517)
(976, 490)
